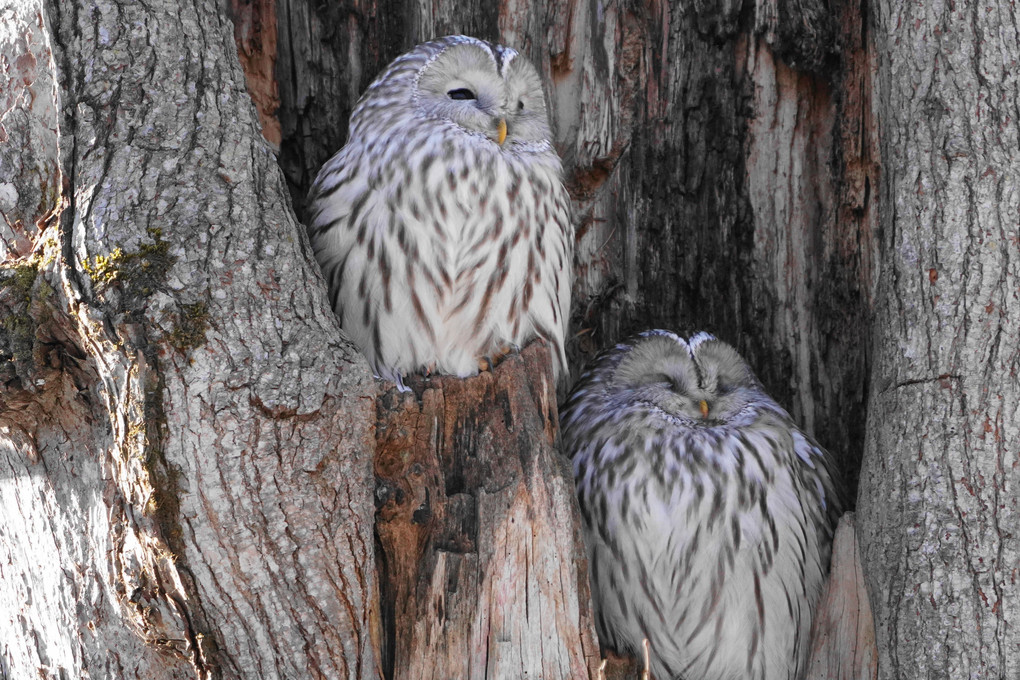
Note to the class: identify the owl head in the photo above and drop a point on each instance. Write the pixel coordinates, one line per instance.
(471, 86)
(701, 381)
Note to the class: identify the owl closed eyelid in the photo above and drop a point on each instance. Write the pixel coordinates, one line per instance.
(412, 221)
(707, 517)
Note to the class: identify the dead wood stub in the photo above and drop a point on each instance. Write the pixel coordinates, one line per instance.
(478, 539)
(843, 631)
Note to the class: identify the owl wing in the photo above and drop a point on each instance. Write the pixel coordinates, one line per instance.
(348, 222)
(555, 253)
(331, 200)
(562, 252)
(819, 474)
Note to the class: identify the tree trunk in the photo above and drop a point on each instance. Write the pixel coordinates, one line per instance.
(939, 488)
(185, 440)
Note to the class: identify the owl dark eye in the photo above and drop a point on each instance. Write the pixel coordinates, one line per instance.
(520, 105)
(461, 93)
(724, 388)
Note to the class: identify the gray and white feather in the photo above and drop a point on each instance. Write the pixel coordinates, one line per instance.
(708, 514)
(443, 226)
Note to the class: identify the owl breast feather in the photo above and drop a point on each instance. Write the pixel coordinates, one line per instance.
(447, 253)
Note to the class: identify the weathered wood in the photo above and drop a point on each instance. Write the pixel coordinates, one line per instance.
(940, 486)
(29, 172)
(482, 562)
(843, 631)
(255, 34)
(327, 55)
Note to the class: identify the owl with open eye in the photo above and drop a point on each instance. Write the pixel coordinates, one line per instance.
(708, 514)
(443, 227)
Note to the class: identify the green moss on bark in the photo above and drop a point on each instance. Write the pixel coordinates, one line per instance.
(189, 332)
(19, 283)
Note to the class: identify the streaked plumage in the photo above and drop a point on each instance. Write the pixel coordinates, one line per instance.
(442, 243)
(708, 514)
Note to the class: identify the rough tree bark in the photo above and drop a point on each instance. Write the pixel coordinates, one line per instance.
(939, 490)
(181, 422)
(185, 440)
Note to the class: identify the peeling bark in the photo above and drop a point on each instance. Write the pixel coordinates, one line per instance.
(255, 33)
(939, 487)
(328, 54)
(29, 172)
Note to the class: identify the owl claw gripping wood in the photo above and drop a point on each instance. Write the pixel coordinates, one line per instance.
(708, 514)
(443, 227)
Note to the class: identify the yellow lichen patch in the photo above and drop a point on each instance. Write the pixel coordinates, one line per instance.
(140, 272)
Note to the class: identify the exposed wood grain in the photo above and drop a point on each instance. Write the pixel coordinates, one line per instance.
(255, 34)
(483, 568)
(29, 172)
(843, 632)
(327, 55)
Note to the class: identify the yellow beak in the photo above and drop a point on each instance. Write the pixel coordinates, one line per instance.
(501, 131)
(703, 405)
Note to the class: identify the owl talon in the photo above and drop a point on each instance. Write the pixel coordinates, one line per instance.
(490, 362)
